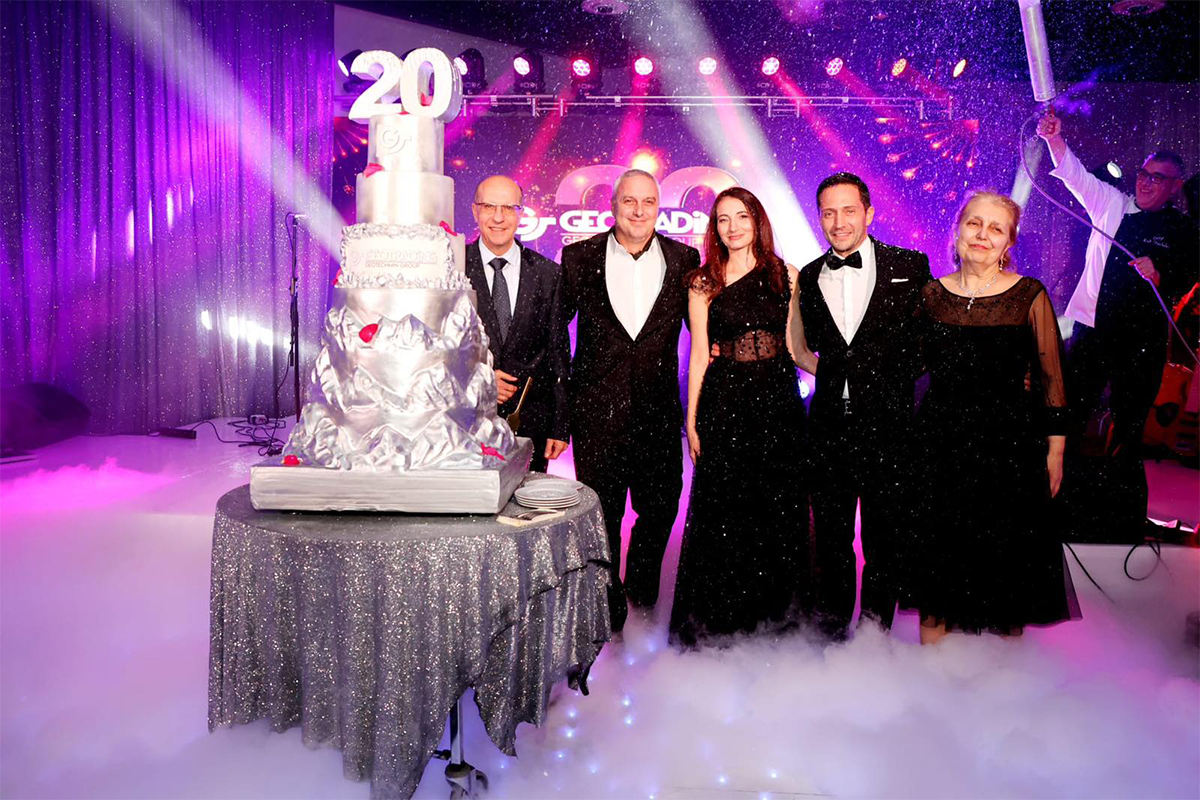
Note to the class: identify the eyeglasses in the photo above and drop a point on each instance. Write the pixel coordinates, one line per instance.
(1156, 178)
(507, 210)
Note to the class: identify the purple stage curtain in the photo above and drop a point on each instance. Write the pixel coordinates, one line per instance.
(146, 264)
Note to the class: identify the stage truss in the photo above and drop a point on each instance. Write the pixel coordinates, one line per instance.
(772, 107)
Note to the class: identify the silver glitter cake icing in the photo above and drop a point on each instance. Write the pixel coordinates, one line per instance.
(419, 394)
(403, 382)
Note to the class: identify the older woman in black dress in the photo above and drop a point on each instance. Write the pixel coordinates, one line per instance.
(992, 431)
(741, 563)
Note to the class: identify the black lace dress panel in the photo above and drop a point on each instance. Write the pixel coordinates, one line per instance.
(988, 557)
(743, 558)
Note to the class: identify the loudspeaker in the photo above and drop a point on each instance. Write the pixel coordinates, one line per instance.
(37, 414)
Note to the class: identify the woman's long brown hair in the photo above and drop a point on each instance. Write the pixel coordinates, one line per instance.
(710, 276)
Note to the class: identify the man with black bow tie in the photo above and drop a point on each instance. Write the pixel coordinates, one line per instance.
(518, 291)
(854, 307)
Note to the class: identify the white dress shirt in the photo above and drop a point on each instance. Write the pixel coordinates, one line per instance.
(633, 285)
(1106, 206)
(847, 292)
(512, 270)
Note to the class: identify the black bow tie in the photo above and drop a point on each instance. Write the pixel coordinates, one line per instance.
(854, 260)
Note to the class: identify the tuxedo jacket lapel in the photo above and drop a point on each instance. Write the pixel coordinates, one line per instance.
(823, 307)
(599, 257)
(672, 278)
(526, 289)
(483, 295)
(880, 294)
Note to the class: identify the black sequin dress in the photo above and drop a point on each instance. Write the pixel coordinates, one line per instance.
(988, 555)
(743, 561)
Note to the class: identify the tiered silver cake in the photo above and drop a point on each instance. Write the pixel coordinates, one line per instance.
(402, 415)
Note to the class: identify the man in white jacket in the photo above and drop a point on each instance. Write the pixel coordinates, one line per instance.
(1120, 334)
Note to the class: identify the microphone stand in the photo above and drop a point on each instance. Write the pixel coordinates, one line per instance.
(291, 221)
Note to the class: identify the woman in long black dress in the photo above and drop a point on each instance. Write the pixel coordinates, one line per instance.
(992, 431)
(741, 563)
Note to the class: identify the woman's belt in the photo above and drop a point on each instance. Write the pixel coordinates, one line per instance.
(751, 346)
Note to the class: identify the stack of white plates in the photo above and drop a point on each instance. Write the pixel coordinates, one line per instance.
(548, 493)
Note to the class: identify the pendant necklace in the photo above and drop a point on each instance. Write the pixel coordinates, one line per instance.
(962, 284)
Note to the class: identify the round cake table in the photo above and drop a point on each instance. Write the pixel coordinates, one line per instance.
(366, 629)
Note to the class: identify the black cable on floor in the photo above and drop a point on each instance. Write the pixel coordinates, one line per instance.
(1156, 548)
(217, 430)
(260, 435)
(1088, 574)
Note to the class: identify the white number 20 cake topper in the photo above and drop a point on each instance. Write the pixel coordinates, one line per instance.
(410, 76)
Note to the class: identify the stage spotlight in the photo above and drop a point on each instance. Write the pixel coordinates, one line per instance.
(833, 66)
(765, 84)
(585, 76)
(898, 67)
(581, 67)
(345, 61)
(530, 73)
(470, 65)
(707, 65)
(644, 82)
(647, 161)
(959, 67)
(1108, 173)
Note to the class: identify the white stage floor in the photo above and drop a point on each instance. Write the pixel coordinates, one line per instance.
(104, 571)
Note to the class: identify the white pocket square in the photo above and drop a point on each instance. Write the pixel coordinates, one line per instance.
(899, 280)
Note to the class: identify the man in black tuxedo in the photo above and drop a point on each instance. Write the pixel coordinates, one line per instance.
(856, 307)
(627, 286)
(518, 292)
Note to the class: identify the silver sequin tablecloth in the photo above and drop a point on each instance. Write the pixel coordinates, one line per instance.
(364, 629)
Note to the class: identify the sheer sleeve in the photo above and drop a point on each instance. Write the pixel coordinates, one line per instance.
(1049, 347)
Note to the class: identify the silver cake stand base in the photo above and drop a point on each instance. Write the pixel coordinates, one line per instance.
(427, 491)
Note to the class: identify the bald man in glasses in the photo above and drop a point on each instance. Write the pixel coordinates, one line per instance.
(517, 290)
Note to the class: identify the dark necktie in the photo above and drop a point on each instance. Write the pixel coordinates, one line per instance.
(854, 260)
(500, 299)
